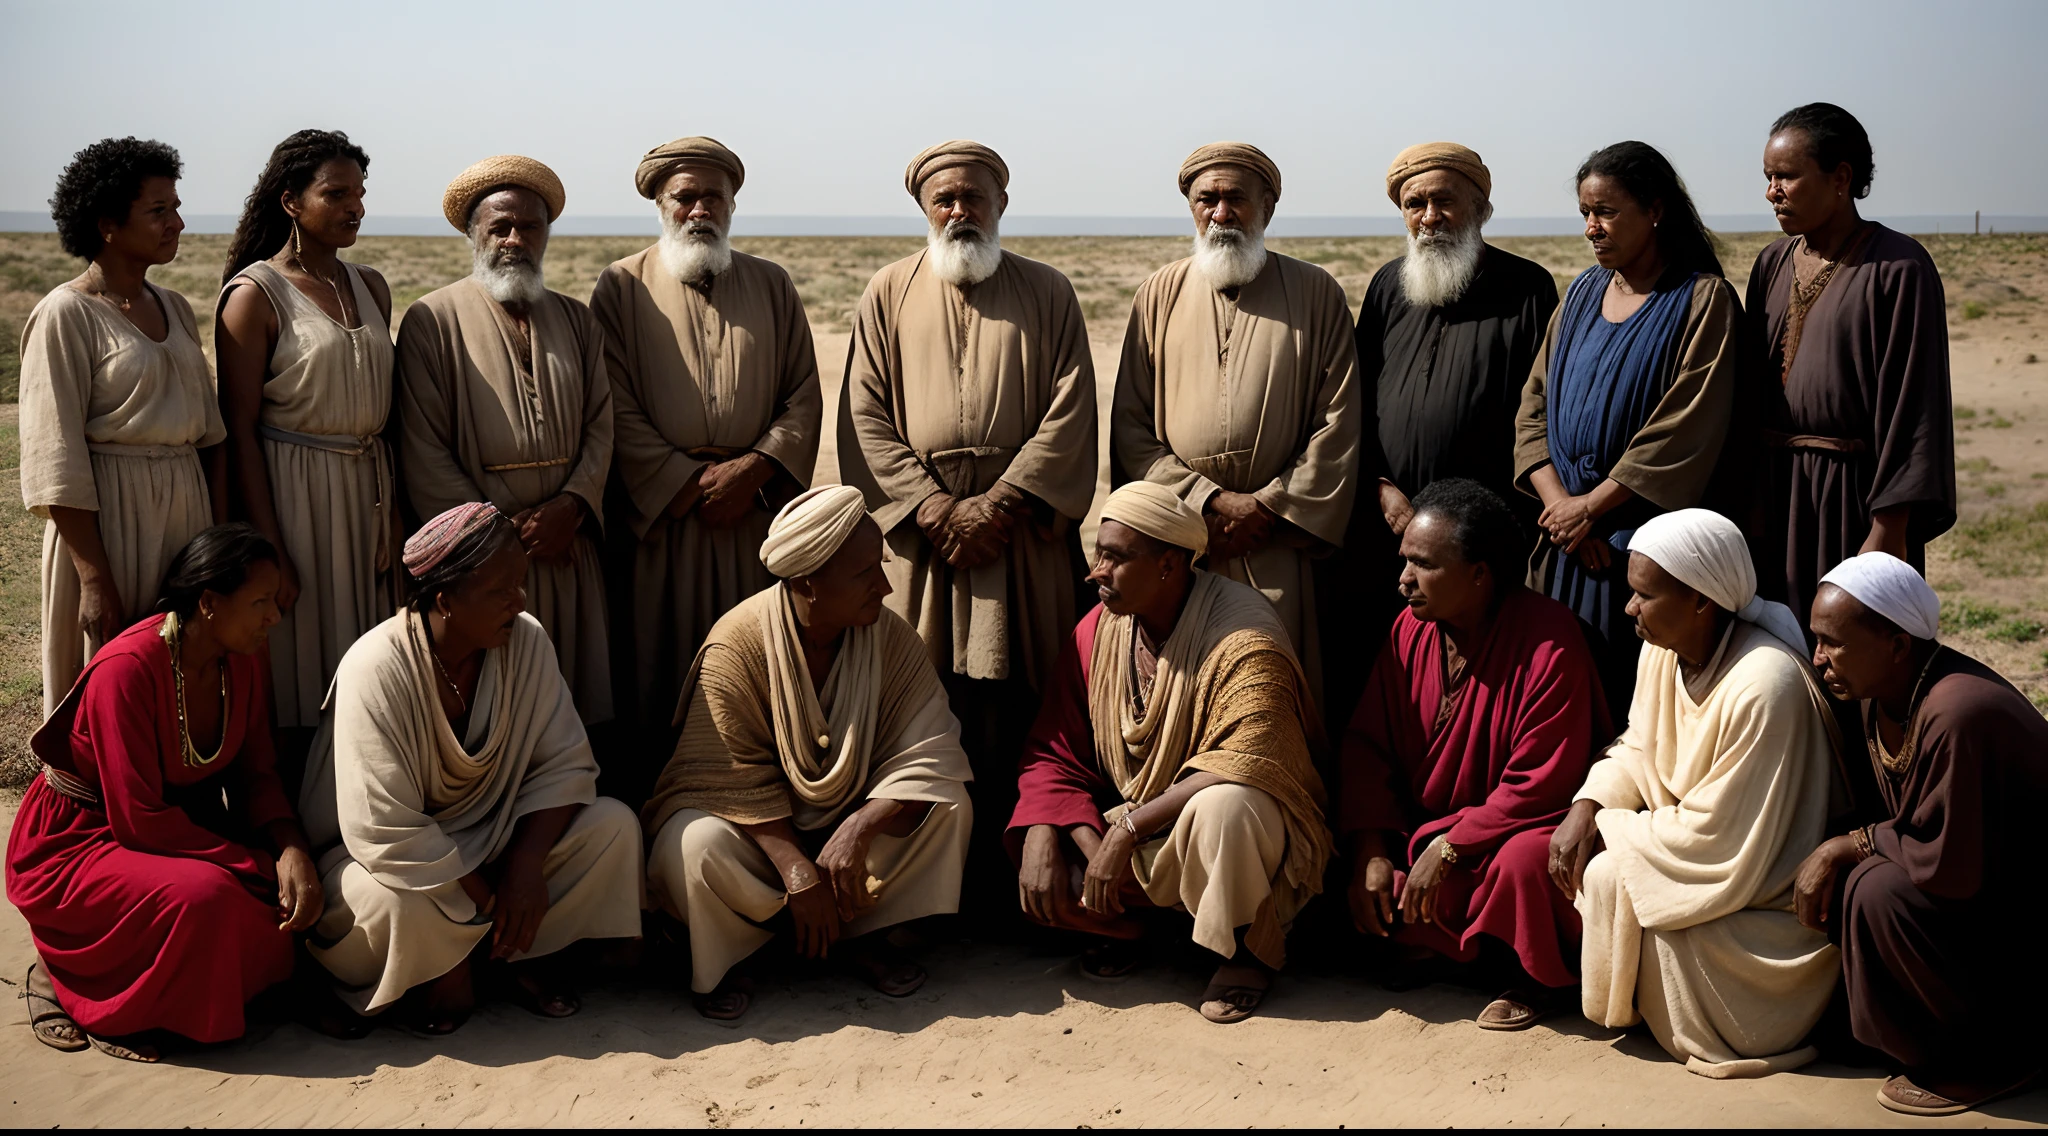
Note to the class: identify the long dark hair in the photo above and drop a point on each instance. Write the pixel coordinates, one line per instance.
(1648, 177)
(265, 226)
(218, 561)
(467, 556)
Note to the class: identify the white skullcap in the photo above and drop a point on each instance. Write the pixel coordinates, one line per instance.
(1159, 513)
(1707, 553)
(1890, 587)
(808, 530)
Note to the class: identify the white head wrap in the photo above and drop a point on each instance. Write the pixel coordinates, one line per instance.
(1706, 552)
(808, 530)
(1890, 587)
(1159, 513)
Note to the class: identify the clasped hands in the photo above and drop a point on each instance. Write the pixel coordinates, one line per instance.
(1238, 525)
(723, 492)
(827, 893)
(548, 530)
(972, 531)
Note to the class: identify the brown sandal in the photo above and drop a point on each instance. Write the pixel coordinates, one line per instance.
(1227, 1003)
(46, 1018)
(1514, 1010)
(1901, 1095)
(728, 1002)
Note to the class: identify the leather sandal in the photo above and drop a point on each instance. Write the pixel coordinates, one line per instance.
(1514, 1010)
(1111, 960)
(1901, 1095)
(728, 1002)
(46, 1019)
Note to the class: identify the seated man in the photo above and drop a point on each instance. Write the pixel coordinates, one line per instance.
(819, 768)
(1170, 764)
(452, 796)
(1474, 731)
(1705, 806)
(1938, 897)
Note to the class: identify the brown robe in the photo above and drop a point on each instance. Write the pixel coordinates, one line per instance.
(952, 390)
(486, 414)
(697, 376)
(1861, 420)
(1259, 395)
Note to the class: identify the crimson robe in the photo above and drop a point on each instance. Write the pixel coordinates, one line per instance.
(1495, 780)
(147, 909)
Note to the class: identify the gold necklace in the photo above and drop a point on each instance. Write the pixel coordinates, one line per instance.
(1896, 765)
(440, 668)
(172, 635)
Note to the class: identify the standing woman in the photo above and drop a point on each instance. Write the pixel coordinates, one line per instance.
(156, 859)
(1862, 447)
(115, 398)
(303, 344)
(1625, 412)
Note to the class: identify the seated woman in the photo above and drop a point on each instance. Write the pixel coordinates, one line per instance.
(452, 795)
(156, 858)
(1474, 731)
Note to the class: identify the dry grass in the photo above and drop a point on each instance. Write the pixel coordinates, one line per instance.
(1991, 569)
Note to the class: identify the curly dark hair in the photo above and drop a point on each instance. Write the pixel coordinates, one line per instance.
(265, 226)
(1485, 529)
(466, 557)
(101, 184)
(1648, 177)
(1836, 138)
(218, 561)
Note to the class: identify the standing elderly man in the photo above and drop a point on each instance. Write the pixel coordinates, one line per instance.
(716, 418)
(502, 397)
(1170, 767)
(1238, 391)
(1446, 337)
(968, 421)
(819, 770)
(1930, 903)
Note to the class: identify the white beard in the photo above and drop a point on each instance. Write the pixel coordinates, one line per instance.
(1230, 258)
(1440, 266)
(508, 281)
(693, 251)
(962, 254)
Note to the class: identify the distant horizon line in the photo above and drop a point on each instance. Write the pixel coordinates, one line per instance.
(820, 225)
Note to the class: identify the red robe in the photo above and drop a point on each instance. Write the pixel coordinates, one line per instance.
(1496, 779)
(144, 913)
(1059, 781)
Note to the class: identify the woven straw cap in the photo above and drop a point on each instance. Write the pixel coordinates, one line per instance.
(497, 173)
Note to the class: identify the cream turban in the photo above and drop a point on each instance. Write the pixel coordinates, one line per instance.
(1242, 154)
(497, 173)
(658, 163)
(1159, 513)
(1888, 586)
(958, 152)
(808, 530)
(1437, 156)
(1708, 554)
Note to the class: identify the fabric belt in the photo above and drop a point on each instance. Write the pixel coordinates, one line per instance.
(715, 453)
(346, 444)
(65, 785)
(120, 450)
(1815, 443)
(350, 446)
(956, 469)
(526, 465)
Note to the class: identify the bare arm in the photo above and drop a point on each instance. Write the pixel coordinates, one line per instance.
(102, 609)
(243, 338)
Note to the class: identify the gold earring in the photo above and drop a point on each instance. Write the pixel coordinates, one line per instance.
(296, 259)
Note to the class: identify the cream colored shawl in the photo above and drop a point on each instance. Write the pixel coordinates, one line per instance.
(390, 786)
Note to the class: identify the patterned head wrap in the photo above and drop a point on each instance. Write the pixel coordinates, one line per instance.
(958, 152)
(1890, 587)
(438, 537)
(1158, 512)
(1427, 156)
(808, 530)
(658, 163)
(1708, 554)
(1242, 154)
(471, 184)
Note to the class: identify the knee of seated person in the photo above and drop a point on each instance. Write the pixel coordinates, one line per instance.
(1229, 805)
(608, 815)
(1878, 894)
(190, 884)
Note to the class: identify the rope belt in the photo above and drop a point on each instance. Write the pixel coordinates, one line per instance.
(65, 785)
(526, 465)
(1815, 443)
(120, 450)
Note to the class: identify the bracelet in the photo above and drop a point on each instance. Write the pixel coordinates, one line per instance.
(1865, 841)
(1130, 826)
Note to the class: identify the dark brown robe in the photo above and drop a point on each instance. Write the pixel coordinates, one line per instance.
(1862, 421)
(1939, 926)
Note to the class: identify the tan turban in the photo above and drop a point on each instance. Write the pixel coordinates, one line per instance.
(658, 163)
(1242, 154)
(958, 152)
(1437, 156)
(1159, 513)
(471, 184)
(808, 530)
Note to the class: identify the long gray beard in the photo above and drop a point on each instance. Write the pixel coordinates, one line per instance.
(1230, 258)
(1440, 266)
(962, 254)
(693, 252)
(508, 282)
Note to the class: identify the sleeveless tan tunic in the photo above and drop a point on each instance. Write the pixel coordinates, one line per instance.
(324, 406)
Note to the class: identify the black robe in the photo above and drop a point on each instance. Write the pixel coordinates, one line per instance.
(1940, 927)
(1442, 386)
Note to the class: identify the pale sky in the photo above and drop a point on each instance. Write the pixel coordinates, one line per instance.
(1093, 104)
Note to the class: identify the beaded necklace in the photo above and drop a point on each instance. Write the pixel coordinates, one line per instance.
(172, 634)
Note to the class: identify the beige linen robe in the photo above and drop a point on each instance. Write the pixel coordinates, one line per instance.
(1255, 395)
(759, 744)
(697, 377)
(954, 389)
(110, 419)
(323, 413)
(484, 417)
(1708, 803)
(398, 810)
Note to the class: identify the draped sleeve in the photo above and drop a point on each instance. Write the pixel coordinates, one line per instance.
(1673, 454)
